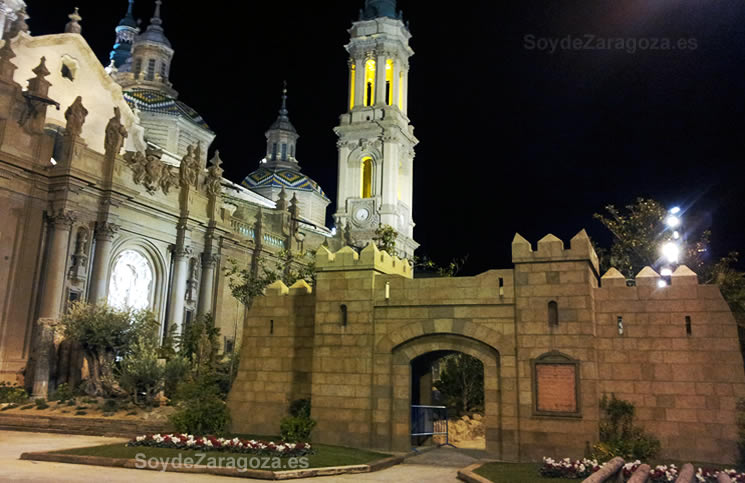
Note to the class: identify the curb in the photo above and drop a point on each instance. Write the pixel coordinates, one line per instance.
(234, 472)
(467, 474)
(83, 426)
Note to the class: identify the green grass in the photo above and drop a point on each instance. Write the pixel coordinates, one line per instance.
(324, 455)
(517, 472)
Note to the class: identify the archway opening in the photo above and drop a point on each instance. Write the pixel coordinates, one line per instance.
(447, 398)
(131, 282)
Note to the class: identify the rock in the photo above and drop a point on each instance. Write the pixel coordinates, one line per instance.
(477, 417)
(465, 418)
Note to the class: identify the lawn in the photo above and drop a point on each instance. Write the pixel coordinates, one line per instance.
(324, 455)
(513, 472)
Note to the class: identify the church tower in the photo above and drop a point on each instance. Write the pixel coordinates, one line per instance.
(376, 142)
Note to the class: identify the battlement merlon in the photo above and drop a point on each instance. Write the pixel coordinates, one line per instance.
(648, 277)
(552, 249)
(370, 258)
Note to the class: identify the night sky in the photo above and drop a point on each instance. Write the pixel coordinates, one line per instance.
(512, 138)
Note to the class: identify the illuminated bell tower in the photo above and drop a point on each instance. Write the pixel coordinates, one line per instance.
(376, 142)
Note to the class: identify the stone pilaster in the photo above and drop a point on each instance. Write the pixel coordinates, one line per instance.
(181, 254)
(207, 286)
(380, 62)
(105, 233)
(60, 224)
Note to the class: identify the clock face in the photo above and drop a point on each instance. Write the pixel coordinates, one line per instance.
(362, 214)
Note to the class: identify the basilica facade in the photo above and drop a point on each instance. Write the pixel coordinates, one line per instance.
(108, 191)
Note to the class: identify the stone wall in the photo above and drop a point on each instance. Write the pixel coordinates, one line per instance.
(678, 361)
(547, 334)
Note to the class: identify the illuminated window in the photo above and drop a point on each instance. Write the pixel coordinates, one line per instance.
(352, 82)
(389, 82)
(131, 281)
(370, 82)
(367, 168)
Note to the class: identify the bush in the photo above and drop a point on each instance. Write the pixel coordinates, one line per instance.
(12, 393)
(619, 436)
(741, 430)
(200, 408)
(110, 406)
(62, 393)
(296, 428)
(176, 371)
(9, 406)
(41, 403)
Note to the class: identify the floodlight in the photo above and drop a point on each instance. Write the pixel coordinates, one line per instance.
(671, 251)
(662, 284)
(666, 272)
(675, 211)
(672, 221)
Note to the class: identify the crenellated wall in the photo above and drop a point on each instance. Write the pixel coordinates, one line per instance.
(546, 332)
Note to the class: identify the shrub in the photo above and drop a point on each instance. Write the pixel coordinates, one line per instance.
(41, 403)
(9, 406)
(110, 406)
(619, 436)
(80, 413)
(200, 408)
(741, 431)
(62, 393)
(296, 428)
(12, 393)
(176, 371)
(141, 373)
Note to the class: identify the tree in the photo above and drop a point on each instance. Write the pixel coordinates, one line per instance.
(637, 236)
(141, 373)
(248, 283)
(461, 383)
(105, 334)
(385, 239)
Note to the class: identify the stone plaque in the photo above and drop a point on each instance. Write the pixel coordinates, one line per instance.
(556, 388)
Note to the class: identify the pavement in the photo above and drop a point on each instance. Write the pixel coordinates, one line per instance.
(440, 465)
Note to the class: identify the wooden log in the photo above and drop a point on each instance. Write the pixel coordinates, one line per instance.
(640, 475)
(687, 474)
(607, 471)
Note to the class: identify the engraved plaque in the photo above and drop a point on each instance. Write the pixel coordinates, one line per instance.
(556, 388)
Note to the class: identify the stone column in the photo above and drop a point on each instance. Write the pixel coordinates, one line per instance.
(181, 256)
(406, 89)
(360, 88)
(207, 286)
(105, 233)
(380, 78)
(51, 298)
(395, 89)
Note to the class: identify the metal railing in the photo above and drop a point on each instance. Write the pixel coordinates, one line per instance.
(430, 421)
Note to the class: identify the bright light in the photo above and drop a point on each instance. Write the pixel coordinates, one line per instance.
(675, 211)
(662, 284)
(671, 251)
(666, 272)
(333, 231)
(672, 221)
(676, 234)
(54, 162)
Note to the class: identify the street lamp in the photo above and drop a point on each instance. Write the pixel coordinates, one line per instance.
(671, 249)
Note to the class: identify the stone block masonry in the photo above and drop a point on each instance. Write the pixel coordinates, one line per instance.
(349, 344)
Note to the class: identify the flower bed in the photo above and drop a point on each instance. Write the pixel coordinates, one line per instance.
(211, 443)
(579, 469)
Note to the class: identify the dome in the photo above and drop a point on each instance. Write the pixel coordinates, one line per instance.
(290, 179)
(153, 34)
(148, 100)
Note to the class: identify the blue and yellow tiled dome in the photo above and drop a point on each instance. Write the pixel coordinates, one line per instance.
(279, 177)
(148, 100)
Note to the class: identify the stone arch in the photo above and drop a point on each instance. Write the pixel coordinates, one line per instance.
(157, 262)
(405, 352)
(462, 327)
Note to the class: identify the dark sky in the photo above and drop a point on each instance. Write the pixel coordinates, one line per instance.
(512, 138)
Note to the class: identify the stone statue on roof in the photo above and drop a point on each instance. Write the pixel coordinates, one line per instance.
(75, 115)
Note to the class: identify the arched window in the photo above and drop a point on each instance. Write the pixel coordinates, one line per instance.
(367, 176)
(553, 314)
(284, 152)
(132, 280)
(370, 82)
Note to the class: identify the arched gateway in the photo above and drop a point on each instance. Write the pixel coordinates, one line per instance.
(545, 331)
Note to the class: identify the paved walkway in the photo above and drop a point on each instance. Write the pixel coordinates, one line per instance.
(436, 466)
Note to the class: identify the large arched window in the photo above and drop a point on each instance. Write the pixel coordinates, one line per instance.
(132, 280)
(367, 177)
(553, 314)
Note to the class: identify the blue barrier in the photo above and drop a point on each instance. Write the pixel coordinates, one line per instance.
(430, 421)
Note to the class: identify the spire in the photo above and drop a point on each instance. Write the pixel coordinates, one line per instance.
(129, 19)
(379, 8)
(156, 20)
(155, 32)
(281, 138)
(126, 32)
(73, 26)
